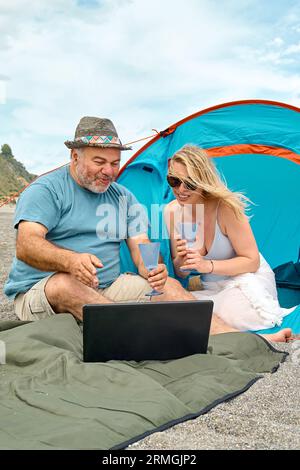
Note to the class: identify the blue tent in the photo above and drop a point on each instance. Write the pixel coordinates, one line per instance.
(255, 145)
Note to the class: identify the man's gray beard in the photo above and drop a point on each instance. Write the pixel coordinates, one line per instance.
(90, 186)
(93, 188)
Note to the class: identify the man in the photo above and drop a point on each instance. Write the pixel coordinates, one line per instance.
(65, 257)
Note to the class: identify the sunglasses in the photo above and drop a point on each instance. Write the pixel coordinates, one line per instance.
(176, 182)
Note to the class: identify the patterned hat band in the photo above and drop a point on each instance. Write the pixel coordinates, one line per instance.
(96, 132)
(98, 139)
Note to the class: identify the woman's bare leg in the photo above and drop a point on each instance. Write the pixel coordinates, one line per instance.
(283, 336)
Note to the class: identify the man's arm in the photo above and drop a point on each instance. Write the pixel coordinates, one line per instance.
(33, 249)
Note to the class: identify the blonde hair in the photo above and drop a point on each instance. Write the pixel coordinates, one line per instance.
(203, 174)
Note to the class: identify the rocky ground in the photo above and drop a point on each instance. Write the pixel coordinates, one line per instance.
(7, 247)
(267, 416)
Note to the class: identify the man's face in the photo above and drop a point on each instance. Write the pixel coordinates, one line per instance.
(96, 168)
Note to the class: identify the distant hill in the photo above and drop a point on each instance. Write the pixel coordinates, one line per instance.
(13, 174)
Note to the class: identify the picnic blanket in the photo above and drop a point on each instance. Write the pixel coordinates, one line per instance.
(50, 399)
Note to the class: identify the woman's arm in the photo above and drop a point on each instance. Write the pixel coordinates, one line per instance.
(242, 239)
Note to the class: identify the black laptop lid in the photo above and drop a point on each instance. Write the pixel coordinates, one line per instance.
(145, 331)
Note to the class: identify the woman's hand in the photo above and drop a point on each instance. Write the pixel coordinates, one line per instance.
(181, 249)
(194, 261)
(178, 261)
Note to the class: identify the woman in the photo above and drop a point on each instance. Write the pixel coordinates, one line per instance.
(234, 275)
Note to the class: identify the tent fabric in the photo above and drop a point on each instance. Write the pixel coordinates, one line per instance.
(288, 297)
(50, 399)
(271, 182)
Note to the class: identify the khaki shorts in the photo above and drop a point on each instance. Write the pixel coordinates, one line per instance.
(33, 304)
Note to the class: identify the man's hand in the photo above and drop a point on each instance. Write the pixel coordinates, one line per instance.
(83, 267)
(158, 277)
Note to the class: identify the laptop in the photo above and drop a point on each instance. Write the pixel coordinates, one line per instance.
(145, 331)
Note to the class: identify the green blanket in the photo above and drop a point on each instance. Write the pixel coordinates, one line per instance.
(50, 399)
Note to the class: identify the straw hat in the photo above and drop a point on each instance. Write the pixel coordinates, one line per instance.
(96, 132)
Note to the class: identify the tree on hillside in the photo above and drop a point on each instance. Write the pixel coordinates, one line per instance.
(6, 150)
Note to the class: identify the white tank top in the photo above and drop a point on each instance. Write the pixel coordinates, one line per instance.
(221, 248)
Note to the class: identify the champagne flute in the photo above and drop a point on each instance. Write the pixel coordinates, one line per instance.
(188, 231)
(150, 255)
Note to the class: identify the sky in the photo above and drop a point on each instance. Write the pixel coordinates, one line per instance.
(145, 64)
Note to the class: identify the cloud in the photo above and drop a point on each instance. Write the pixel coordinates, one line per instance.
(2, 92)
(292, 49)
(145, 64)
(277, 42)
(3, 89)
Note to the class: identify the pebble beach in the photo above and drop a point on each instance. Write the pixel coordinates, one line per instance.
(267, 416)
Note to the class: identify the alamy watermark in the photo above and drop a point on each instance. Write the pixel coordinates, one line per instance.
(124, 220)
(2, 352)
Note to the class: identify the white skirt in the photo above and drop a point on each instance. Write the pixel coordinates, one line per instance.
(247, 301)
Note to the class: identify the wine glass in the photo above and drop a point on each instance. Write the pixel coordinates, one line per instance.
(150, 254)
(188, 231)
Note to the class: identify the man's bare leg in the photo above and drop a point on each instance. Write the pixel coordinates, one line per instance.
(67, 294)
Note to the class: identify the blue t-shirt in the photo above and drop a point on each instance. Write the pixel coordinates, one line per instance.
(79, 220)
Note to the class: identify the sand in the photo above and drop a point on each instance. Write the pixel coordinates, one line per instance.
(267, 416)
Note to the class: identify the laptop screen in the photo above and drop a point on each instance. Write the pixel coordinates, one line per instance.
(145, 331)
